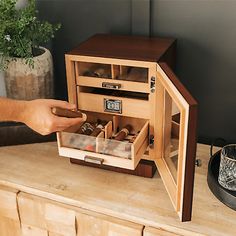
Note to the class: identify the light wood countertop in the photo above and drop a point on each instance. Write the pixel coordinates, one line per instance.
(37, 169)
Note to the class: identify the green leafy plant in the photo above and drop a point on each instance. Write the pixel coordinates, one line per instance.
(21, 33)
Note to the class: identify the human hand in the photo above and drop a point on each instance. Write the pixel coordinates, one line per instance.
(37, 114)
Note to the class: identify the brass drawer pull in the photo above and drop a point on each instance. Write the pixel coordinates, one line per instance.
(94, 160)
(111, 85)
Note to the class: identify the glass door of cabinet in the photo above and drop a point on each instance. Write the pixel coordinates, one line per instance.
(177, 131)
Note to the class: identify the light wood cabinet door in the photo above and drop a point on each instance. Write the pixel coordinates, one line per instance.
(42, 217)
(8, 200)
(27, 230)
(9, 227)
(9, 218)
(176, 161)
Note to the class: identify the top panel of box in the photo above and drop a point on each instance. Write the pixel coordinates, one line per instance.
(124, 47)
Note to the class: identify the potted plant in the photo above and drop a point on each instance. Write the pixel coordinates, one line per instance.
(28, 66)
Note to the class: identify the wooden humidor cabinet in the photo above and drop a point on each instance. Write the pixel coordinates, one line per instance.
(127, 80)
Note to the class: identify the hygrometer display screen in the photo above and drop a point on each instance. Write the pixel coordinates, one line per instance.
(111, 105)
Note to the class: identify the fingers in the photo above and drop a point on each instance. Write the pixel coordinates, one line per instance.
(62, 104)
(61, 123)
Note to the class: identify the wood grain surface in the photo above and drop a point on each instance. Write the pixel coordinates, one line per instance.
(37, 169)
(124, 47)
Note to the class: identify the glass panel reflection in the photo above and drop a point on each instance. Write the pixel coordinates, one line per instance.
(171, 135)
(122, 149)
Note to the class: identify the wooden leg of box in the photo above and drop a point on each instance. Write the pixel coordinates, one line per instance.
(145, 168)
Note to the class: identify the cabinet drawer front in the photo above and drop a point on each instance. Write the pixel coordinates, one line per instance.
(42, 214)
(124, 158)
(60, 220)
(9, 227)
(28, 230)
(8, 200)
(113, 84)
(129, 107)
(32, 211)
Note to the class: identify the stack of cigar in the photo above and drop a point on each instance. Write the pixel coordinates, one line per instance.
(99, 72)
(92, 130)
(122, 148)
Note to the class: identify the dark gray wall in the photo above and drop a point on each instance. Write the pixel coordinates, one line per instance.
(206, 54)
(206, 61)
(80, 19)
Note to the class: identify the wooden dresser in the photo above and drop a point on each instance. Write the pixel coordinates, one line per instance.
(44, 195)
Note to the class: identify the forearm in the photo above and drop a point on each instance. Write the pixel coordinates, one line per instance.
(37, 114)
(12, 110)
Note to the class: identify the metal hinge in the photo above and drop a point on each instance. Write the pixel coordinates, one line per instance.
(198, 162)
(153, 84)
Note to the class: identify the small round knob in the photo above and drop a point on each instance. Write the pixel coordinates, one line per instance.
(198, 162)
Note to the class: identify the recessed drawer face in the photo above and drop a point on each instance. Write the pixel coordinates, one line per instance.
(121, 103)
(104, 149)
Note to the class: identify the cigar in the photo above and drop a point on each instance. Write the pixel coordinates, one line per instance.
(128, 145)
(88, 73)
(99, 72)
(62, 112)
(134, 137)
(99, 126)
(123, 133)
(86, 128)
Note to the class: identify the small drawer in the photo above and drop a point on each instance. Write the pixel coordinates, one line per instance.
(111, 71)
(113, 84)
(120, 104)
(109, 76)
(104, 150)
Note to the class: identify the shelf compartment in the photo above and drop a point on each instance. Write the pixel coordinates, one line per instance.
(135, 74)
(96, 70)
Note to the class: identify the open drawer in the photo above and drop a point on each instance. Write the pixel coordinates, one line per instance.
(104, 149)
